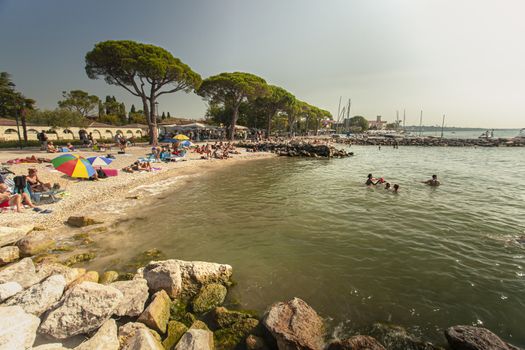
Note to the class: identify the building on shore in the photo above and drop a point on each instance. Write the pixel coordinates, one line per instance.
(99, 131)
(377, 124)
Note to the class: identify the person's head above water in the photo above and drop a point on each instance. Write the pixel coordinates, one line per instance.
(369, 176)
(396, 187)
(387, 185)
(434, 177)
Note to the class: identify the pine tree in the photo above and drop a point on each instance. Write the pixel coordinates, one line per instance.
(163, 115)
(169, 116)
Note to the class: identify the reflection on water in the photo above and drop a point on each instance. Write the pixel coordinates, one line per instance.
(425, 258)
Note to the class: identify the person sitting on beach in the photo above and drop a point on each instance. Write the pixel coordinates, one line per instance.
(7, 199)
(24, 197)
(70, 147)
(396, 188)
(51, 148)
(433, 181)
(35, 183)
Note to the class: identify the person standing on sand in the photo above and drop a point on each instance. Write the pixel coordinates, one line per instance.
(433, 181)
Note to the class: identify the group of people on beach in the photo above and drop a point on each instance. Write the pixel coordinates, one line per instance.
(371, 181)
(219, 150)
(20, 191)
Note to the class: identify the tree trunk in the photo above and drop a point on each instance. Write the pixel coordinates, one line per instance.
(235, 116)
(269, 126)
(154, 133)
(24, 123)
(148, 120)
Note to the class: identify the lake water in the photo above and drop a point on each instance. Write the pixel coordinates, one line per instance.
(470, 134)
(426, 258)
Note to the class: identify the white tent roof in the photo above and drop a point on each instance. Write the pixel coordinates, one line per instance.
(194, 126)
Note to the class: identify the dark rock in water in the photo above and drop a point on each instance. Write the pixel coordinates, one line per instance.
(475, 338)
(81, 221)
(396, 338)
(255, 343)
(358, 342)
(295, 325)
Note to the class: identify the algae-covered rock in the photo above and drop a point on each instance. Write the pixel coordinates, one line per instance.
(225, 318)
(397, 338)
(34, 243)
(198, 324)
(188, 319)
(230, 338)
(77, 258)
(175, 331)
(108, 277)
(81, 221)
(90, 276)
(157, 314)
(178, 309)
(477, 338)
(358, 342)
(209, 297)
(255, 343)
(144, 258)
(9, 254)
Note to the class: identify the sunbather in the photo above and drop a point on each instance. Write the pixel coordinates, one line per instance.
(51, 148)
(35, 183)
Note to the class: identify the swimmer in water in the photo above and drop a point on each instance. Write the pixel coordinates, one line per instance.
(396, 188)
(369, 181)
(433, 181)
(387, 186)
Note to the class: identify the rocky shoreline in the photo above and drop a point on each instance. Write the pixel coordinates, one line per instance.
(296, 148)
(432, 142)
(167, 304)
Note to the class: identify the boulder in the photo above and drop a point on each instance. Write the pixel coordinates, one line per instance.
(198, 324)
(475, 338)
(34, 243)
(209, 297)
(196, 339)
(105, 338)
(135, 294)
(128, 330)
(22, 272)
(70, 274)
(40, 297)
(50, 346)
(163, 275)
(175, 331)
(157, 314)
(84, 308)
(225, 318)
(7, 290)
(108, 277)
(9, 235)
(81, 221)
(255, 343)
(183, 277)
(90, 276)
(396, 338)
(358, 342)
(9, 254)
(235, 336)
(17, 328)
(295, 325)
(142, 339)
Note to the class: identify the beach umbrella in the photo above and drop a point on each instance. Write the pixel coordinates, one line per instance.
(99, 161)
(181, 137)
(186, 143)
(73, 165)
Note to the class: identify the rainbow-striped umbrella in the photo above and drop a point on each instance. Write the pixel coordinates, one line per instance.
(73, 165)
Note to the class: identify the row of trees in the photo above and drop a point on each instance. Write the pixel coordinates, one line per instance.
(148, 72)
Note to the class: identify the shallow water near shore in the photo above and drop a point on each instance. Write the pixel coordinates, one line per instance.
(426, 258)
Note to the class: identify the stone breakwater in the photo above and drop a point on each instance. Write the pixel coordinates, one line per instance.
(296, 149)
(168, 304)
(434, 141)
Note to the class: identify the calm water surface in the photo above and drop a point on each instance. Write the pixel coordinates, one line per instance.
(425, 258)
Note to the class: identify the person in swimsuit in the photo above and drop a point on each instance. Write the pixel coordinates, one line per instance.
(369, 181)
(433, 181)
(35, 183)
(396, 188)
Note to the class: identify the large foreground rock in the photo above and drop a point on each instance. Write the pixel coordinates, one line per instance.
(397, 338)
(9, 254)
(81, 221)
(178, 277)
(209, 297)
(39, 298)
(105, 338)
(175, 331)
(157, 314)
(358, 342)
(44, 270)
(135, 294)
(84, 308)
(9, 235)
(475, 338)
(196, 339)
(50, 346)
(17, 328)
(128, 330)
(34, 243)
(143, 339)
(7, 290)
(22, 272)
(295, 325)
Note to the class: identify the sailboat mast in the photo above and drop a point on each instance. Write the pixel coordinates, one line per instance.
(442, 126)
(404, 119)
(420, 123)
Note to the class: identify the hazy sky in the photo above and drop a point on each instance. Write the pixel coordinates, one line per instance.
(462, 58)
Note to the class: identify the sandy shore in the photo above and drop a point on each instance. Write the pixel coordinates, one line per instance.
(106, 198)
